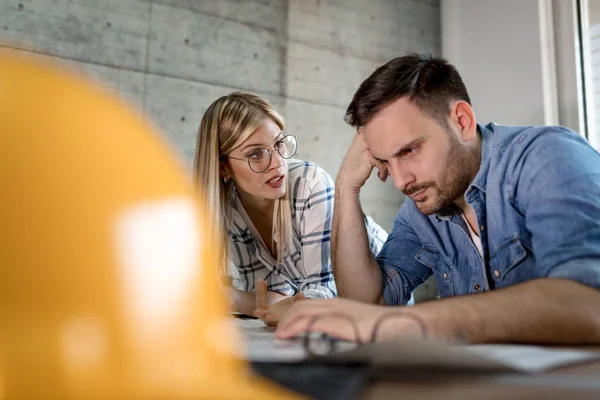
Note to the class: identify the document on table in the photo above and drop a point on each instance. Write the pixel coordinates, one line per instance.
(260, 344)
(532, 359)
(494, 357)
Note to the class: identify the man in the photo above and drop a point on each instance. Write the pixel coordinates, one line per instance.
(506, 218)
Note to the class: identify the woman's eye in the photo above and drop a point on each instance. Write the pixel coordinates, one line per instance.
(256, 155)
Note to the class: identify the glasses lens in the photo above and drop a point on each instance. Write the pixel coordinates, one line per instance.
(287, 146)
(259, 160)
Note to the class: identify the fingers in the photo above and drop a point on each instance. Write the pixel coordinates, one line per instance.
(261, 295)
(273, 314)
(298, 297)
(382, 172)
(269, 318)
(292, 328)
(261, 313)
(296, 319)
(331, 324)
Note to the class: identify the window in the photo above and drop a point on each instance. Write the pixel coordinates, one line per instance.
(589, 29)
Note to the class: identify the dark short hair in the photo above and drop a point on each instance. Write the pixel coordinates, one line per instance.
(432, 83)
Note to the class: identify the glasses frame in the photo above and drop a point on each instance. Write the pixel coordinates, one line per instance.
(275, 147)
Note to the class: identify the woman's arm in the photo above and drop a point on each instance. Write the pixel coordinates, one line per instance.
(245, 302)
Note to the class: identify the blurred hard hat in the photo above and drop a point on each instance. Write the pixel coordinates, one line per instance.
(108, 286)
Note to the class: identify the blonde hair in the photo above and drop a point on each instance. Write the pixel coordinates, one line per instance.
(226, 124)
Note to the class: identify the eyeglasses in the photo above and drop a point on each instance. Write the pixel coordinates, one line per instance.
(318, 344)
(260, 159)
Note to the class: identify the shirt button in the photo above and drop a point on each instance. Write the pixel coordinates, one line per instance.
(496, 273)
(476, 287)
(482, 228)
(445, 275)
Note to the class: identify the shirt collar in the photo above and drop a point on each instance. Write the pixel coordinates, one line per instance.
(480, 180)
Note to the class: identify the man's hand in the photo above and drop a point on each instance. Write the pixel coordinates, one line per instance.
(348, 320)
(358, 164)
(565, 312)
(271, 315)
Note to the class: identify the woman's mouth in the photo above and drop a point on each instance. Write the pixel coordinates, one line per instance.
(276, 182)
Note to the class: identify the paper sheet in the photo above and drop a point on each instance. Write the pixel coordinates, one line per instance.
(260, 344)
(531, 358)
(496, 357)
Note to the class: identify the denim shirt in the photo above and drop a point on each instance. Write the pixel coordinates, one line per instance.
(537, 201)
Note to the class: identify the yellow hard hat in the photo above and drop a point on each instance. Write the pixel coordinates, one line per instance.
(109, 281)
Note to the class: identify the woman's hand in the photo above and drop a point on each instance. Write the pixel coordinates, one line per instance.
(272, 314)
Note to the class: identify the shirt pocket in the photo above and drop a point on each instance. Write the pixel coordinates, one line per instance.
(509, 256)
(442, 270)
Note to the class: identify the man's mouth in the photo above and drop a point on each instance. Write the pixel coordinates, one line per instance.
(416, 194)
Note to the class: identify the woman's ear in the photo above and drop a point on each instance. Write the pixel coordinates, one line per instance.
(224, 171)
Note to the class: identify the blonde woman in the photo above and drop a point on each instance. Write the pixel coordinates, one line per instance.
(273, 212)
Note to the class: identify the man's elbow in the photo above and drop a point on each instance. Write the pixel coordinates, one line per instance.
(593, 316)
(584, 302)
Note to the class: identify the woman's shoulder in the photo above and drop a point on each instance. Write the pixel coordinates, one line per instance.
(307, 174)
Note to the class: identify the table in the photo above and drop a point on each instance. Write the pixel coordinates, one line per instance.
(572, 382)
(575, 382)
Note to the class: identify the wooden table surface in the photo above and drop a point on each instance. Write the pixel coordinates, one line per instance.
(580, 381)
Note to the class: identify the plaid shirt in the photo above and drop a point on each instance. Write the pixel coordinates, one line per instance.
(307, 266)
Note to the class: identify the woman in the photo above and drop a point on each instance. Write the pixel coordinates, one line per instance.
(273, 212)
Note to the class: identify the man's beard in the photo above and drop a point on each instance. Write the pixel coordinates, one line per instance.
(461, 167)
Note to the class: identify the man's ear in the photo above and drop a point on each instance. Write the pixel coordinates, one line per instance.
(463, 117)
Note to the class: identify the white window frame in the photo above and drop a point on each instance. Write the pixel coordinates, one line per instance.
(573, 67)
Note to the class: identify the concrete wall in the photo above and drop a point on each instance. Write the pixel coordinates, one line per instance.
(333, 45)
(594, 11)
(498, 47)
(172, 58)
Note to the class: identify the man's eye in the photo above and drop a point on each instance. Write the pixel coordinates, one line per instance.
(408, 151)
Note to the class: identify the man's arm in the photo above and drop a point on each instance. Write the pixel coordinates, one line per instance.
(543, 311)
(356, 272)
(558, 192)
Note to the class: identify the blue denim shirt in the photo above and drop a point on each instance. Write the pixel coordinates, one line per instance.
(537, 201)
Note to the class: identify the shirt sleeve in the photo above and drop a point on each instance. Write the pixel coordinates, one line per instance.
(400, 270)
(316, 215)
(377, 235)
(558, 191)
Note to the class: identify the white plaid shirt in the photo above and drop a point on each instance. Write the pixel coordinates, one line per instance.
(307, 267)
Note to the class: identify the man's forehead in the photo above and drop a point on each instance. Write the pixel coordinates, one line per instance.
(389, 134)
